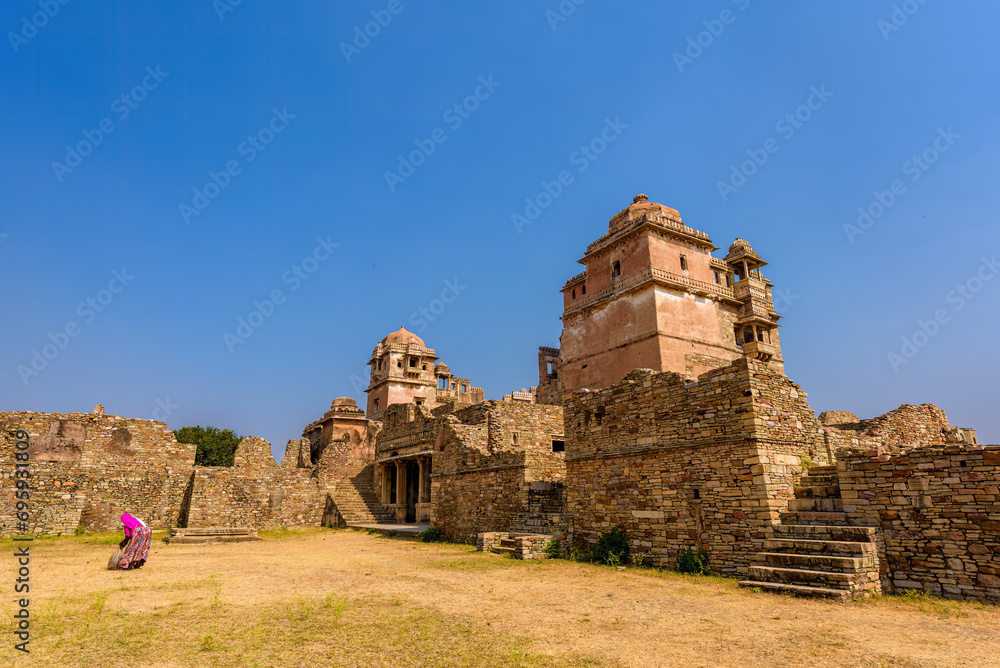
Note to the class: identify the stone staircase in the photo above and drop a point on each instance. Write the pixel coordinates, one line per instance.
(814, 552)
(354, 499)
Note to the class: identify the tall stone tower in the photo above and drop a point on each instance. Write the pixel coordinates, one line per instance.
(653, 296)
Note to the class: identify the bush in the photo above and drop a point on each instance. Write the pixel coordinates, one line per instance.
(431, 535)
(612, 547)
(552, 549)
(216, 447)
(691, 562)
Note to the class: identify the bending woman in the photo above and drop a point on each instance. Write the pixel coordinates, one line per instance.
(135, 547)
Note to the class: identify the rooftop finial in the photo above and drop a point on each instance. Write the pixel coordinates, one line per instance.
(639, 199)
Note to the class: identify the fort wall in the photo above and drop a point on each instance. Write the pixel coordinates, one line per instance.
(939, 510)
(708, 464)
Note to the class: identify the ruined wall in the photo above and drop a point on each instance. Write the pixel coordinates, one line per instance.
(486, 459)
(89, 468)
(939, 510)
(679, 464)
(906, 427)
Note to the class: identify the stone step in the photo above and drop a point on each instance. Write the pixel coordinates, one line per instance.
(206, 531)
(811, 561)
(812, 480)
(813, 517)
(798, 590)
(503, 550)
(817, 547)
(508, 542)
(826, 532)
(822, 470)
(824, 505)
(803, 576)
(817, 492)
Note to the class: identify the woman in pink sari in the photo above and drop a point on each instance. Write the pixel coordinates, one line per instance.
(135, 547)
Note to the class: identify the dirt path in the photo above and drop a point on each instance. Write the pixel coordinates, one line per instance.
(328, 594)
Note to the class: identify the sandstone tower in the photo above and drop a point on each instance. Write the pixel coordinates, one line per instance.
(652, 296)
(404, 372)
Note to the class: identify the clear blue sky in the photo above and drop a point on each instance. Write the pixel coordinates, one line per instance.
(329, 121)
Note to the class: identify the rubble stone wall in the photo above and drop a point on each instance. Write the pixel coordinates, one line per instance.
(939, 511)
(89, 468)
(708, 464)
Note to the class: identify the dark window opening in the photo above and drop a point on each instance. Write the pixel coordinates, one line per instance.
(684, 263)
(616, 269)
(599, 416)
(716, 275)
(399, 364)
(375, 406)
(513, 438)
(419, 401)
(574, 293)
(413, 362)
(583, 289)
(558, 446)
(697, 493)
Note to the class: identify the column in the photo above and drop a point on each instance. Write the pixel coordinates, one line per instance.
(422, 495)
(400, 491)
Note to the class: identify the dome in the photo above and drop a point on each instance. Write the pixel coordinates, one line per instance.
(404, 337)
(642, 208)
(441, 367)
(342, 402)
(740, 246)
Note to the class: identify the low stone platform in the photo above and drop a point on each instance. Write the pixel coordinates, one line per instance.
(202, 535)
(396, 528)
(517, 544)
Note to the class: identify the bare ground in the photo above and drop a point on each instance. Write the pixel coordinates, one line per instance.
(324, 597)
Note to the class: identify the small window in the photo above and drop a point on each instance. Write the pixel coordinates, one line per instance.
(684, 263)
(419, 401)
(558, 446)
(399, 364)
(375, 406)
(513, 438)
(716, 275)
(583, 289)
(616, 269)
(574, 293)
(697, 493)
(548, 368)
(413, 362)
(424, 367)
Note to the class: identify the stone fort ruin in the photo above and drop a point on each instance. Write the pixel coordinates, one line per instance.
(665, 410)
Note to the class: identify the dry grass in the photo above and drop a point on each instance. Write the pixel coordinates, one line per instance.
(343, 598)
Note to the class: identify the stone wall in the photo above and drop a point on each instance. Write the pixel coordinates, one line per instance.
(89, 468)
(908, 426)
(484, 459)
(939, 511)
(707, 464)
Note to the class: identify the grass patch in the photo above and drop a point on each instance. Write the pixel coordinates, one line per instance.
(333, 629)
(930, 605)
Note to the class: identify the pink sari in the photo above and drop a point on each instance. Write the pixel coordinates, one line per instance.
(140, 536)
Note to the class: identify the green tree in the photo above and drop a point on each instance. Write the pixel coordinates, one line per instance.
(216, 447)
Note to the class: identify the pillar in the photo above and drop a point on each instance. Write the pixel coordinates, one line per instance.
(422, 495)
(400, 491)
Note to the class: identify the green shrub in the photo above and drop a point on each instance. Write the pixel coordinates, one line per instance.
(691, 562)
(612, 547)
(79, 530)
(552, 549)
(431, 535)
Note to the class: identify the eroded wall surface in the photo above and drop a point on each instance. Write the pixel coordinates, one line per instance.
(708, 464)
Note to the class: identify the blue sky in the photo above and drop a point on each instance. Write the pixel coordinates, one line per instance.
(276, 125)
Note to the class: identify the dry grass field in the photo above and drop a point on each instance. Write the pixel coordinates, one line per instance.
(346, 598)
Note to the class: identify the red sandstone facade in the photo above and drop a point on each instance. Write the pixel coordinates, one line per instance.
(653, 296)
